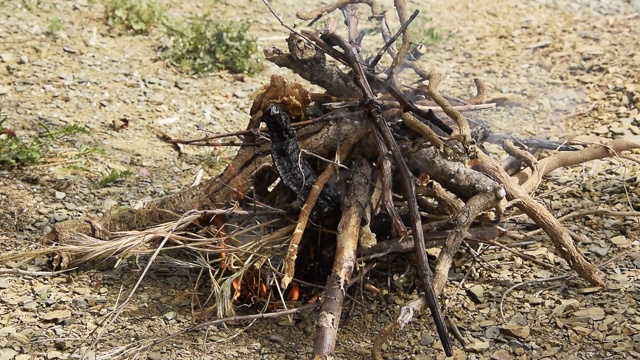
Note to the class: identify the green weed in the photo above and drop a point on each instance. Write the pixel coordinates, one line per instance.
(16, 152)
(424, 33)
(209, 44)
(136, 16)
(55, 26)
(113, 176)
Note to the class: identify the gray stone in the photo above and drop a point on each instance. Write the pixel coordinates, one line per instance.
(276, 339)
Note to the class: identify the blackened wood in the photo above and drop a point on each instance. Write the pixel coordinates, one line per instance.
(294, 170)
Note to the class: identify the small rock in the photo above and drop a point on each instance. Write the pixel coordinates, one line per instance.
(589, 290)
(59, 195)
(476, 293)
(276, 339)
(492, 332)
(23, 60)
(534, 300)
(30, 305)
(502, 354)
(7, 354)
(7, 57)
(155, 356)
(426, 339)
(70, 50)
(621, 241)
(566, 306)
(595, 313)
(551, 351)
(20, 338)
(518, 319)
(614, 338)
(60, 217)
(573, 337)
(479, 346)
(108, 204)
(57, 315)
(55, 354)
(151, 80)
(169, 315)
(4, 90)
(598, 250)
(4, 283)
(581, 330)
(519, 331)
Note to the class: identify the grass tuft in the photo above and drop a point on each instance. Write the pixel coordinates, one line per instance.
(135, 16)
(207, 45)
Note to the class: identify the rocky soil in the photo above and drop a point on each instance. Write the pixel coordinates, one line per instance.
(543, 60)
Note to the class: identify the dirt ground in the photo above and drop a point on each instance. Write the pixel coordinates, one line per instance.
(542, 59)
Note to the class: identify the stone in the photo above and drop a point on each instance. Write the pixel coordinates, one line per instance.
(7, 57)
(515, 330)
(276, 339)
(7, 354)
(502, 354)
(595, 313)
(621, 241)
(57, 315)
(476, 293)
(479, 346)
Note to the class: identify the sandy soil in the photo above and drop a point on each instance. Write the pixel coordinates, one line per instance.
(542, 59)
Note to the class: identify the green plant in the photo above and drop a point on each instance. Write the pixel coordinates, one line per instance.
(137, 16)
(424, 33)
(55, 26)
(208, 45)
(15, 152)
(113, 176)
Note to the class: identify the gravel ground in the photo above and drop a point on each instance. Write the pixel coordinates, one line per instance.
(542, 59)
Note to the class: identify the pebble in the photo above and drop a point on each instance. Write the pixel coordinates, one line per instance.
(20, 338)
(169, 315)
(7, 354)
(479, 346)
(502, 354)
(426, 339)
(155, 356)
(7, 57)
(59, 195)
(621, 241)
(595, 313)
(57, 315)
(276, 339)
(516, 330)
(60, 217)
(476, 293)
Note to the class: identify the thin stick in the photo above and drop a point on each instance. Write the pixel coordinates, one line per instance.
(393, 39)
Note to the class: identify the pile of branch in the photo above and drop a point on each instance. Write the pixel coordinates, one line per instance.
(335, 178)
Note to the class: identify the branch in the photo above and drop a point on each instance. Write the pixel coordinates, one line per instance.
(344, 262)
(566, 159)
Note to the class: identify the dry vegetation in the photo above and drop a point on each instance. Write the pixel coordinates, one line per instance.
(380, 165)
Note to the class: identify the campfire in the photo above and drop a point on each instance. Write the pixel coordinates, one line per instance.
(325, 184)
